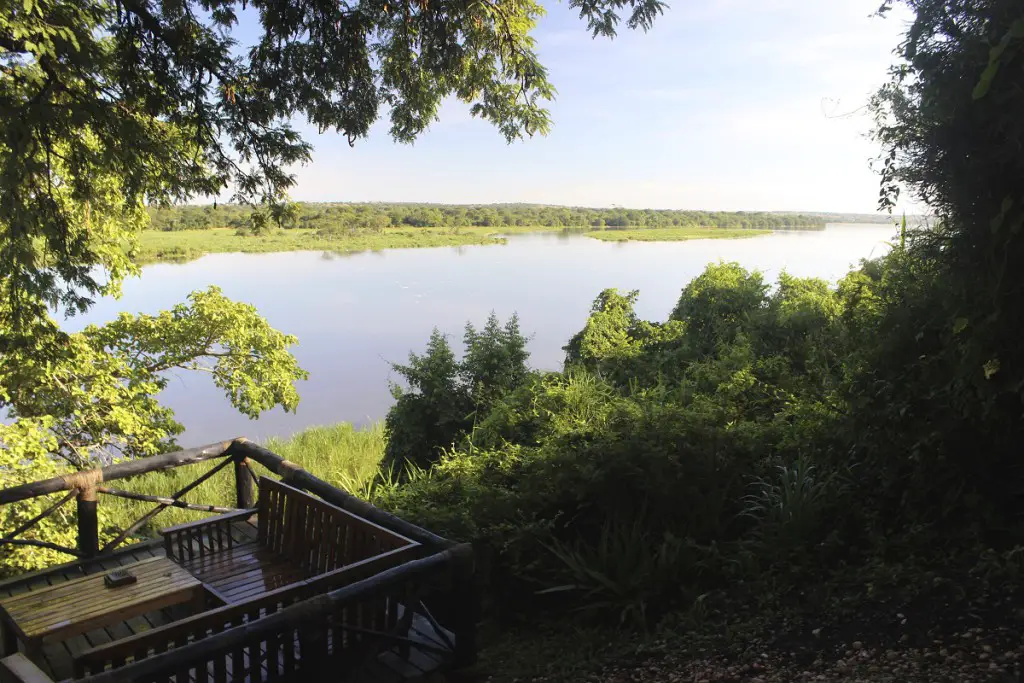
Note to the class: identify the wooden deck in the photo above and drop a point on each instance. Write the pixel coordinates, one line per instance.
(234, 576)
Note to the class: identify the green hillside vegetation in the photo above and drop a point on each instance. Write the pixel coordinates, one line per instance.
(329, 218)
(777, 467)
(672, 234)
(187, 245)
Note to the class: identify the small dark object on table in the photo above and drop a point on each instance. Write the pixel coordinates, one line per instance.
(119, 577)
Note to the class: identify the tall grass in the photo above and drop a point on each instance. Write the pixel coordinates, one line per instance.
(340, 454)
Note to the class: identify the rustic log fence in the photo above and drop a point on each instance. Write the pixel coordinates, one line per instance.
(85, 487)
(444, 564)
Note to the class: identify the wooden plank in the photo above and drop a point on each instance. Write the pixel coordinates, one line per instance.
(152, 567)
(77, 606)
(85, 594)
(267, 573)
(86, 566)
(19, 668)
(242, 555)
(252, 609)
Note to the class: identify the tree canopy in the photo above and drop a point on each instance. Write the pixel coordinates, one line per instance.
(109, 108)
(112, 104)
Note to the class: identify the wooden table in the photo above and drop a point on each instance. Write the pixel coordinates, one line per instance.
(81, 605)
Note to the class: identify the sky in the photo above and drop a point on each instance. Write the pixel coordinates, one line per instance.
(723, 105)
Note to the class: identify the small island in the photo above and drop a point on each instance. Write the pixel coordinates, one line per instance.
(184, 233)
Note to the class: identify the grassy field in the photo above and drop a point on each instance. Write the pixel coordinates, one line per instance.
(340, 454)
(673, 234)
(187, 245)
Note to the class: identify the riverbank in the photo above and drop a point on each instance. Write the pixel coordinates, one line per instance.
(674, 234)
(179, 246)
(187, 245)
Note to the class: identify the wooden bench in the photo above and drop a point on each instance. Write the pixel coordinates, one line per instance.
(298, 537)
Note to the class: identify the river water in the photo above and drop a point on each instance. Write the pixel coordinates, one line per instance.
(354, 314)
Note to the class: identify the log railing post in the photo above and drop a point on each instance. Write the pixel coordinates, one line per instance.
(245, 492)
(88, 524)
(465, 604)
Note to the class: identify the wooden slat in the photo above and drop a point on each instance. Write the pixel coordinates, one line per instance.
(201, 623)
(80, 605)
(18, 667)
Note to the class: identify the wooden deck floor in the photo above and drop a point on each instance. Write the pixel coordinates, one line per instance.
(57, 656)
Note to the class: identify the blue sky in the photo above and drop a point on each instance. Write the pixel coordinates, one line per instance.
(724, 105)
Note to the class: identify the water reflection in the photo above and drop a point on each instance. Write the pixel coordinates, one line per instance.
(356, 313)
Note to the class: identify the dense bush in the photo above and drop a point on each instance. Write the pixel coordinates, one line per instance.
(670, 435)
(735, 438)
(445, 397)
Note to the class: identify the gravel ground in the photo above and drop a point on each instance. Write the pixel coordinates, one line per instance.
(940, 635)
(974, 656)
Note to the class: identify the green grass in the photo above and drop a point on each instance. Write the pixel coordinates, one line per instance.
(340, 454)
(673, 234)
(187, 245)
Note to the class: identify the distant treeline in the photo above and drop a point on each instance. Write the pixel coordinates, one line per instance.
(338, 216)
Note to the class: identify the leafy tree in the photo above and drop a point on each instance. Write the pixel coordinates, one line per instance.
(427, 416)
(940, 379)
(718, 302)
(606, 330)
(445, 397)
(93, 398)
(110, 105)
(97, 393)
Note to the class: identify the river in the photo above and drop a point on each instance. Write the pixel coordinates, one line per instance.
(354, 314)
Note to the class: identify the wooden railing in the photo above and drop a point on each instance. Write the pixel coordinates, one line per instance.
(85, 487)
(192, 629)
(332, 632)
(334, 620)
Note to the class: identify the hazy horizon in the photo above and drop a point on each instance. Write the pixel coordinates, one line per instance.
(724, 104)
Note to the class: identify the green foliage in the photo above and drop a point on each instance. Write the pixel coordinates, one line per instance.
(626, 573)
(627, 474)
(941, 376)
(717, 304)
(445, 396)
(339, 453)
(25, 446)
(112, 106)
(334, 218)
(792, 506)
(97, 393)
